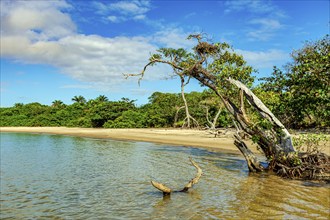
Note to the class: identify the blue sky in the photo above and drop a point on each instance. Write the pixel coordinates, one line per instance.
(55, 50)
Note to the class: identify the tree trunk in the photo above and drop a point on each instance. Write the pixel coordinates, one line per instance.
(177, 115)
(212, 123)
(279, 132)
(253, 163)
(275, 141)
(187, 122)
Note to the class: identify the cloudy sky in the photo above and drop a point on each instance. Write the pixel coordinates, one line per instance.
(54, 50)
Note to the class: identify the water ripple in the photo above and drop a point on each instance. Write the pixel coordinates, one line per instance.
(60, 177)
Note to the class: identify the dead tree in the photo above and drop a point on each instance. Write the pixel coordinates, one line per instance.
(167, 191)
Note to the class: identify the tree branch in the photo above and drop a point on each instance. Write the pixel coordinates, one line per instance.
(195, 179)
(161, 187)
(174, 66)
(167, 191)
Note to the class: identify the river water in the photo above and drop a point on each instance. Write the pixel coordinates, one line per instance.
(61, 177)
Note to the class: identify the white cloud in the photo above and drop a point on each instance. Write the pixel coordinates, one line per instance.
(130, 7)
(254, 6)
(264, 59)
(267, 23)
(113, 19)
(33, 18)
(173, 37)
(266, 28)
(123, 10)
(139, 17)
(265, 15)
(88, 58)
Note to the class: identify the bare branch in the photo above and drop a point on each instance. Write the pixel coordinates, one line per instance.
(161, 187)
(174, 66)
(167, 191)
(195, 179)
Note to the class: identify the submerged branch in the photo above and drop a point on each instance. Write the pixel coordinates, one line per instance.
(161, 187)
(195, 179)
(167, 191)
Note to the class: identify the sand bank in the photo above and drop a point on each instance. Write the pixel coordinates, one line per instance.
(177, 137)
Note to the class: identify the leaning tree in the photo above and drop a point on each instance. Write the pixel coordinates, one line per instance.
(218, 67)
(178, 55)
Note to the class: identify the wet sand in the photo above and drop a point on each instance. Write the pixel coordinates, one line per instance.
(177, 137)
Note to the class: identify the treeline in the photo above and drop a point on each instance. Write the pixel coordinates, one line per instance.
(163, 110)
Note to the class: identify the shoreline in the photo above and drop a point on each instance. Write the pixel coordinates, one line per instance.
(224, 142)
(176, 137)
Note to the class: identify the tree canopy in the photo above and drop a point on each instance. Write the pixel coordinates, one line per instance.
(303, 86)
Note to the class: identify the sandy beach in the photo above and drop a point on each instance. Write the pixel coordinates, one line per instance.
(176, 137)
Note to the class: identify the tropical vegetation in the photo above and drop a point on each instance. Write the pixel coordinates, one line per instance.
(298, 94)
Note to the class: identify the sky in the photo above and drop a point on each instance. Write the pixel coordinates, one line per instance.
(55, 50)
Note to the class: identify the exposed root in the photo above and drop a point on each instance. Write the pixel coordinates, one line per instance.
(313, 166)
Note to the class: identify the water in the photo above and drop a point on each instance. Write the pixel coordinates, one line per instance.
(60, 177)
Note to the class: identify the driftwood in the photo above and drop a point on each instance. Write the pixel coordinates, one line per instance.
(167, 191)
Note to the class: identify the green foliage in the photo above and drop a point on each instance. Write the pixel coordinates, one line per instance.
(79, 99)
(300, 97)
(129, 119)
(311, 143)
(100, 112)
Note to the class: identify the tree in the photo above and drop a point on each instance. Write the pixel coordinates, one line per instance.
(162, 108)
(218, 67)
(100, 113)
(18, 105)
(304, 86)
(178, 55)
(102, 98)
(79, 99)
(57, 104)
(213, 108)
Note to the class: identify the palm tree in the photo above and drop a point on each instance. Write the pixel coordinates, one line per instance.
(79, 99)
(57, 103)
(102, 98)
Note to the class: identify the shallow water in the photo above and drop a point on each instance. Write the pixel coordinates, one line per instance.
(60, 177)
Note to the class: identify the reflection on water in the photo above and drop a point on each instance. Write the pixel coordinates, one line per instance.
(63, 177)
